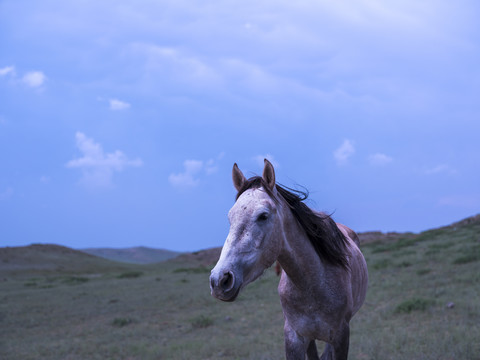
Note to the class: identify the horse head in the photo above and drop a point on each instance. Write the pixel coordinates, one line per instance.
(254, 240)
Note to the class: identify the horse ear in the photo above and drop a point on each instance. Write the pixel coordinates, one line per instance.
(237, 177)
(269, 174)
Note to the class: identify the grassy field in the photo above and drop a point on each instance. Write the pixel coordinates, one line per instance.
(423, 303)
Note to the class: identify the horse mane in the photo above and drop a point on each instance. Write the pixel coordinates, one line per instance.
(328, 241)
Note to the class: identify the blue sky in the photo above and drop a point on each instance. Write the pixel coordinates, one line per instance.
(120, 120)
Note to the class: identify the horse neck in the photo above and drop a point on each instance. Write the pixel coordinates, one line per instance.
(298, 257)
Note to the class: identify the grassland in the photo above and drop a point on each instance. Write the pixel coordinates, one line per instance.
(423, 303)
(135, 255)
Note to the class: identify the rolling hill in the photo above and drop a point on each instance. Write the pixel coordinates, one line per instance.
(134, 255)
(40, 258)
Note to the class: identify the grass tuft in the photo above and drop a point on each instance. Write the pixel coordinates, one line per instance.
(415, 304)
(381, 264)
(465, 259)
(75, 280)
(201, 322)
(423, 272)
(394, 246)
(130, 275)
(121, 322)
(193, 270)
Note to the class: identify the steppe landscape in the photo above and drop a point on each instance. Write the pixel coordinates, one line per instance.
(59, 303)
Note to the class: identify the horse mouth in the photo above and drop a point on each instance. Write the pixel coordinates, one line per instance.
(230, 298)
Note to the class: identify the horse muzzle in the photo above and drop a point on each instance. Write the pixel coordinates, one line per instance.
(224, 285)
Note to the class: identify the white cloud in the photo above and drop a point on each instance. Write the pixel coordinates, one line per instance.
(193, 170)
(96, 166)
(211, 167)
(344, 152)
(193, 166)
(176, 65)
(7, 70)
(441, 169)
(188, 178)
(379, 159)
(116, 104)
(44, 179)
(34, 79)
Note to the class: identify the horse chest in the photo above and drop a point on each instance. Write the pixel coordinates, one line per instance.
(310, 315)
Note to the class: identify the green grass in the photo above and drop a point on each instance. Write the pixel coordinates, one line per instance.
(193, 270)
(168, 312)
(75, 280)
(130, 274)
(202, 321)
(121, 322)
(465, 259)
(415, 304)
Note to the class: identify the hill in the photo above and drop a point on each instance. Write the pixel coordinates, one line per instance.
(38, 258)
(134, 255)
(199, 258)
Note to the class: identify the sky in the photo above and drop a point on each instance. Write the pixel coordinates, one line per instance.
(120, 121)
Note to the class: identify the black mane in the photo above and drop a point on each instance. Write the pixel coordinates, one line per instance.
(323, 233)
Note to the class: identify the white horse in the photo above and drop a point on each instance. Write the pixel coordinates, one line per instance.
(324, 278)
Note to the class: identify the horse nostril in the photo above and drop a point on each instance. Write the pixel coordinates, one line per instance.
(227, 281)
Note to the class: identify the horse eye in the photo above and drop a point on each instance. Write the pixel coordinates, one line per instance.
(262, 217)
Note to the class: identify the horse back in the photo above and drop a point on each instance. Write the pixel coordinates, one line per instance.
(349, 233)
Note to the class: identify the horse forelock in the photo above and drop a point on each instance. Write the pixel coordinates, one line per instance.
(256, 182)
(328, 241)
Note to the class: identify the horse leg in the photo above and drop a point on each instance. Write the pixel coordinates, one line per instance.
(338, 349)
(312, 353)
(295, 345)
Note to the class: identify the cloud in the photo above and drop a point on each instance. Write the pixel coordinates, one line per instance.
(7, 70)
(177, 66)
(116, 104)
(211, 167)
(190, 177)
(96, 166)
(379, 159)
(441, 169)
(34, 79)
(344, 152)
(187, 179)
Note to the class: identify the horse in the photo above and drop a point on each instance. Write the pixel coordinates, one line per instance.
(324, 274)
